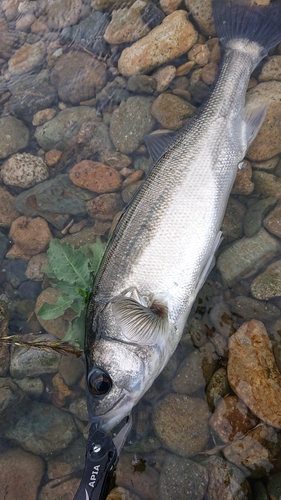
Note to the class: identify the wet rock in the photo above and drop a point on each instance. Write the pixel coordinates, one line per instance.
(89, 33)
(54, 200)
(269, 165)
(57, 327)
(12, 402)
(222, 319)
(254, 216)
(60, 391)
(271, 69)
(248, 308)
(60, 13)
(126, 24)
(71, 369)
(43, 116)
(243, 183)
(28, 470)
(226, 481)
(94, 137)
(105, 206)
(59, 132)
(15, 271)
(164, 76)
(32, 386)
(29, 290)
(25, 21)
(24, 170)
(273, 221)
(77, 77)
(144, 484)
(14, 136)
(231, 419)
(79, 409)
(30, 237)
(33, 362)
(95, 176)
(151, 15)
(174, 37)
(60, 488)
(186, 435)
(245, 257)
(121, 494)
(274, 486)
(268, 284)
(202, 13)
(35, 267)
(208, 76)
(200, 54)
(4, 245)
(27, 58)
(130, 190)
(267, 184)
(130, 122)
(52, 157)
(232, 224)
(172, 111)
(43, 429)
(182, 478)
(142, 84)
(253, 374)
(31, 97)
(267, 143)
(259, 491)
(257, 453)
(8, 40)
(196, 370)
(113, 93)
(169, 6)
(133, 177)
(69, 461)
(217, 388)
(7, 211)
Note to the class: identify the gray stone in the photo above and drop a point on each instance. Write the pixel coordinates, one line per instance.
(217, 388)
(254, 216)
(274, 486)
(247, 308)
(43, 429)
(70, 460)
(71, 369)
(33, 362)
(226, 481)
(31, 97)
(15, 271)
(89, 33)
(59, 132)
(181, 479)
(268, 284)
(232, 224)
(222, 319)
(245, 257)
(4, 245)
(266, 184)
(142, 84)
(60, 13)
(14, 136)
(130, 122)
(32, 386)
(12, 402)
(79, 409)
(54, 200)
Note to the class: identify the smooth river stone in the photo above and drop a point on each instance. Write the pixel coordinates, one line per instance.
(253, 374)
(173, 38)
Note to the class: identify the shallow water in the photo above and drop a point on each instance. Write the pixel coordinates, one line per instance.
(176, 449)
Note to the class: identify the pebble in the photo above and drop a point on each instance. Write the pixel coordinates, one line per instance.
(253, 374)
(200, 54)
(4, 245)
(243, 183)
(181, 479)
(142, 483)
(231, 419)
(247, 308)
(269, 165)
(271, 69)
(135, 176)
(217, 388)
(126, 24)
(52, 157)
(267, 184)
(14, 136)
(267, 143)
(7, 211)
(232, 224)
(15, 271)
(32, 386)
(30, 237)
(130, 122)
(30, 97)
(33, 362)
(116, 160)
(60, 13)
(57, 327)
(26, 58)
(209, 73)
(274, 486)
(29, 290)
(95, 176)
(71, 369)
(169, 6)
(142, 84)
(89, 33)
(87, 235)
(69, 461)
(24, 170)
(246, 256)
(226, 481)
(35, 267)
(59, 132)
(253, 219)
(164, 76)
(268, 284)
(8, 39)
(129, 191)
(121, 494)
(272, 222)
(25, 21)
(21, 474)
(60, 488)
(186, 435)
(105, 206)
(60, 391)
(201, 10)
(196, 370)
(77, 77)
(13, 401)
(43, 116)
(174, 37)
(171, 111)
(79, 408)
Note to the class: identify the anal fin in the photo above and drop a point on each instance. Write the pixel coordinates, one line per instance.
(253, 120)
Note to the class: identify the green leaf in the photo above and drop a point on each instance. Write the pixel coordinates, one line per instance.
(79, 304)
(53, 311)
(76, 332)
(97, 250)
(68, 265)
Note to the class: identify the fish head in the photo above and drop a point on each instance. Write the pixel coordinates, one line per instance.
(118, 375)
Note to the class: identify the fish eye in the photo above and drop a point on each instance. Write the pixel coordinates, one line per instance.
(99, 382)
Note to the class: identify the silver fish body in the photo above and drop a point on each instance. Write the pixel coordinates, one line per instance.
(165, 242)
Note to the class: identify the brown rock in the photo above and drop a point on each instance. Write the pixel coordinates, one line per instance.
(21, 473)
(164, 76)
(226, 482)
(273, 221)
(253, 374)
(143, 483)
(63, 489)
(269, 165)
(117, 160)
(95, 176)
(8, 39)
(52, 157)
(266, 184)
(78, 76)
(185, 68)
(271, 69)
(243, 184)
(105, 206)
(174, 37)
(60, 391)
(200, 54)
(61, 13)
(121, 494)
(232, 419)
(7, 211)
(126, 24)
(201, 10)
(134, 177)
(26, 58)
(43, 116)
(209, 73)
(130, 190)
(169, 6)
(31, 236)
(172, 111)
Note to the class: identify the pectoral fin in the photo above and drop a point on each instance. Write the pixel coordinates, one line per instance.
(157, 144)
(140, 324)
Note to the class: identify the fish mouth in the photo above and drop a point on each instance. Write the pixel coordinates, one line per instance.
(121, 409)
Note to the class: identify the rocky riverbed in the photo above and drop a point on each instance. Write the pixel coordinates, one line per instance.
(82, 82)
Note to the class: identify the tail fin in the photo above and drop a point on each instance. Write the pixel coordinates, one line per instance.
(240, 19)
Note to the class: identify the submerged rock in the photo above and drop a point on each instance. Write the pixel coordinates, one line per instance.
(247, 308)
(14, 136)
(95, 176)
(89, 33)
(24, 170)
(126, 24)
(182, 478)
(226, 481)
(201, 10)
(171, 111)
(268, 284)
(253, 374)
(33, 362)
(29, 471)
(272, 221)
(254, 216)
(138, 476)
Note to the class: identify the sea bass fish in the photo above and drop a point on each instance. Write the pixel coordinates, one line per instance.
(163, 247)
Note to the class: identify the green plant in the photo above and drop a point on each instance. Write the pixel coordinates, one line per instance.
(73, 272)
